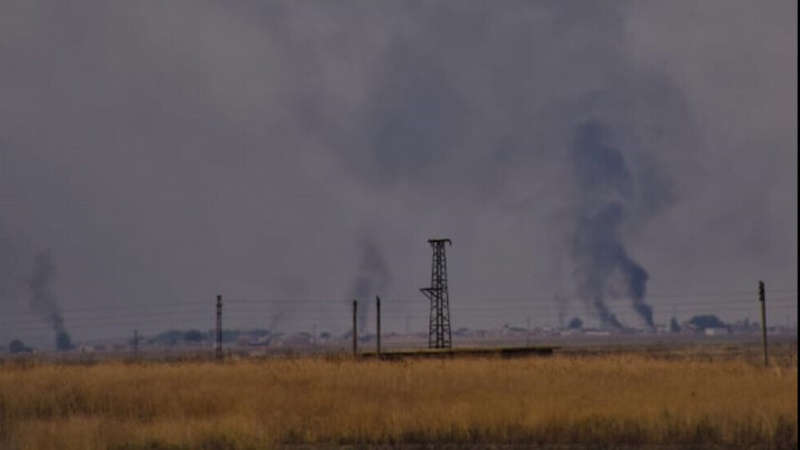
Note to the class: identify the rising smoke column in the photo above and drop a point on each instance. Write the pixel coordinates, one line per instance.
(291, 291)
(43, 301)
(603, 269)
(372, 278)
(562, 305)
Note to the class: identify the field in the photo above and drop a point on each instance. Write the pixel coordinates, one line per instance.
(702, 398)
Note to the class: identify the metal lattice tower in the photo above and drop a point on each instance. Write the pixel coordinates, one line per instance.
(439, 331)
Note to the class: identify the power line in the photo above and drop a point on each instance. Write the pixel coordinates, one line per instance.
(395, 308)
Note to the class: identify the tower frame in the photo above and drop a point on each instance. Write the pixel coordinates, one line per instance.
(439, 334)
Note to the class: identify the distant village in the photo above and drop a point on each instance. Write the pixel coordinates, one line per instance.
(264, 341)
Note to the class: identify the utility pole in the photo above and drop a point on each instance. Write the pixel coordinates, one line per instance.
(218, 346)
(439, 326)
(378, 309)
(763, 300)
(355, 328)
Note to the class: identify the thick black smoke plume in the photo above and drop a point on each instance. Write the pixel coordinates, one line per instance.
(373, 278)
(603, 269)
(43, 301)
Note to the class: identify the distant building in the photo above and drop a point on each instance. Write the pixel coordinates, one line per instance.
(663, 329)
(597, 333)
(718, 331)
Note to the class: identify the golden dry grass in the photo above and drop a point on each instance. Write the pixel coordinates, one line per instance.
(617, 400)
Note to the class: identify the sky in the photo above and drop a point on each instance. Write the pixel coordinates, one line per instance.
(587, 159)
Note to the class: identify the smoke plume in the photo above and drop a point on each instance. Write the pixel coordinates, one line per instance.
(373, 278)
(170, 151)
(291, 291)
(43, 301)
(562, 305)
(603, 269)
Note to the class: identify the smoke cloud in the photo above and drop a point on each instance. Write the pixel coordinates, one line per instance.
(27, 275)
(373, 278)
(43, 300)
(603, 269)
(562, 306)
(170, 151)
(291, 290)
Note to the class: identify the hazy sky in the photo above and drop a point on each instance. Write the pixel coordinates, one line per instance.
(290, 155)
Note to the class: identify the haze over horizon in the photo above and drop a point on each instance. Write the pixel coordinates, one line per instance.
(636, 159)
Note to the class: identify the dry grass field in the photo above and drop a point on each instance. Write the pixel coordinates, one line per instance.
(632, 400)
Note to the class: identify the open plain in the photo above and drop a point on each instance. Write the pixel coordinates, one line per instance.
(707, 396)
